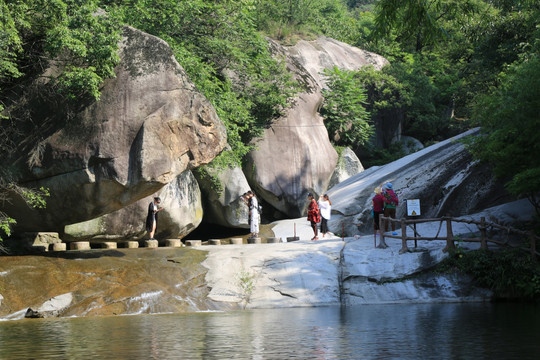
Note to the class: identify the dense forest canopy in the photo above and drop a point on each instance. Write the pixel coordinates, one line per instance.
(455, 64)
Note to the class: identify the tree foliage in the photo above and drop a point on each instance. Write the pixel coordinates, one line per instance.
(218, 44)
(510, 118)
(343, 109)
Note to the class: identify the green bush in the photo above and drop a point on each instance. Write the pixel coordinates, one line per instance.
(509, 273)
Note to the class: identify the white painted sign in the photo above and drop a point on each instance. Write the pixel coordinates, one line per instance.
(413, 207)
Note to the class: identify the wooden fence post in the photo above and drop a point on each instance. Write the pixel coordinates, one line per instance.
(404, 247)
(483, 242)
(449, 236)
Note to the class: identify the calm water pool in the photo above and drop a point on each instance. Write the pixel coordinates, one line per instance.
(421, 331)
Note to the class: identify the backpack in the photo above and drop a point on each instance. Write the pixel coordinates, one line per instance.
(391, 198)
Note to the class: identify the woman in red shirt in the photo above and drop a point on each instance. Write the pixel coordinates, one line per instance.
(313, 215)
(378, 209)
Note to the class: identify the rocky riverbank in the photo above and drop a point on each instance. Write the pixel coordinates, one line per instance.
(331, 271)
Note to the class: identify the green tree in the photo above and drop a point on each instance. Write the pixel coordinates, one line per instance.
(343, 109)
(80, 40)
(421, 23)
(510, 118)
(218, 45)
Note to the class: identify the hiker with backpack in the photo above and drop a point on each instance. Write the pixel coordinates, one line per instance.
(391, 202)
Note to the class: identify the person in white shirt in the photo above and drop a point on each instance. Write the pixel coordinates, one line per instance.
(254, 215)
(325, 206)
(152, 217)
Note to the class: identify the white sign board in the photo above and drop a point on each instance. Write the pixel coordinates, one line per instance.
(413, 207)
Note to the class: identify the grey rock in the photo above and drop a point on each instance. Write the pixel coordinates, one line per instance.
(182, 213)
(295, 156)
(444, 177)
(149, 126)
(222, 189)
(347, 166)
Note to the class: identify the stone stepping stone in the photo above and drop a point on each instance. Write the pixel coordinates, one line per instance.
(254, 240)
(59, 247)
(236, 241)
(79, 245)
(151, 244)
(173, 243)
(130, 244)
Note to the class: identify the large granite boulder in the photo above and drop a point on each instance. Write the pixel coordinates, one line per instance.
(150, 125)
(347, 166)
(182, 213)
(222, 189)
(444, 177)
(295, 156)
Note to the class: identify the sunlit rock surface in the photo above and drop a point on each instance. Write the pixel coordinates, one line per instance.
(150, 125)
(295, 155)
(444, 177)
(300, 273)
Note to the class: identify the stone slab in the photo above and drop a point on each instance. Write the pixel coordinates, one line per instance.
(193, 242)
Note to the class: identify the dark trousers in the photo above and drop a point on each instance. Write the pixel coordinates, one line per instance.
(324, 225)
(390, 213)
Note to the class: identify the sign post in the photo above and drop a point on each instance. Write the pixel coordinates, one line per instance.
(413, 210)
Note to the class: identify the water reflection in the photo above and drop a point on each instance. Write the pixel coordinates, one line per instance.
(436, 331)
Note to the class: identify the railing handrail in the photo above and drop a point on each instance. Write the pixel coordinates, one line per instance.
(482, 226)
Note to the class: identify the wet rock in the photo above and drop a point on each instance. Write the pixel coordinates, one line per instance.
(32, 314)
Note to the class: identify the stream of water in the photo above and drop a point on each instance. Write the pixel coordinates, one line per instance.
(418, 331)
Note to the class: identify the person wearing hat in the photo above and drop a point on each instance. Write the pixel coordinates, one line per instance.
(391, 202)
(313, 215)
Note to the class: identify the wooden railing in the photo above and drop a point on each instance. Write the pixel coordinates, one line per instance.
(483, 226)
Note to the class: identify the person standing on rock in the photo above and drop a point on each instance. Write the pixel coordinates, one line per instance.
(152, 217)
(313, 215)
(378, 209)
(325, 206)
(254, 215)
(391, 201)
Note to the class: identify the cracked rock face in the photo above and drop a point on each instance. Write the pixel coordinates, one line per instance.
(149, 126)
